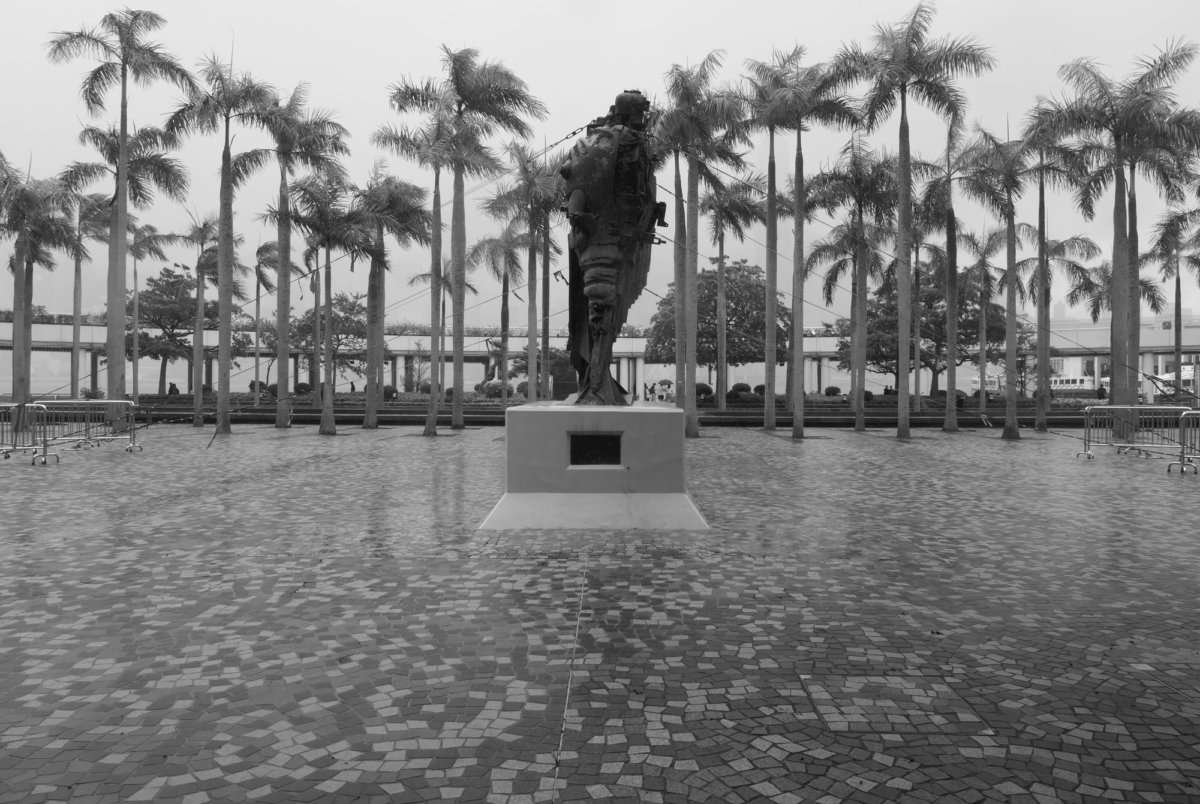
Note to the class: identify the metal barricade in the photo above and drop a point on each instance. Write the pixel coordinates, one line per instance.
(90, 422)
(23, 430)
(1144, 430)
(1189, 443)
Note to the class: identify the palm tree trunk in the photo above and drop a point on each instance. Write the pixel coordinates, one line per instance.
(283, 304)
(1179, 340)
(1043, 310)
(859, 346)
(545, 372)
(77, 311)
(435, 298)
(799, 274)
(1135, 293)
(531, 348)
(722, 324)
(374, 333)
(950, 424)
(1011, 431)
(198, 349)
(257, 337)
(903, 272)
(772, 283)
(224, 289)
(681, 298)
(328, 426)
(1118, 292)
(24, 393)
(503, 367)
(115, 340)
(458, 278)
(984, 301)
(314, 365)
(162, 375)
(916, 327)
(18, 330)
(136, 333)
(688, 390)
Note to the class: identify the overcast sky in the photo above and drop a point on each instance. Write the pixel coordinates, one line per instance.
(351, 51)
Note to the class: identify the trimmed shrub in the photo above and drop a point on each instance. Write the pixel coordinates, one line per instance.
(833, 390)
(273, 390)
(424, 388)
(703, 390)
(89, 393)
(522, 388)
(760, 389)
(749, 397)
(739, 387)
(868, 396)
(303, 388)
(389, 393)
(492, 388)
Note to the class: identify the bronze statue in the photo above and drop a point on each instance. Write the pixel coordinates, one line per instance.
(612, 208)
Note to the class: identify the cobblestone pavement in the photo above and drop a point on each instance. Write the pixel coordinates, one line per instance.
(286, 617)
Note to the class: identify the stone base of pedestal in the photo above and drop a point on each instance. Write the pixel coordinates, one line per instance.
(583, 467)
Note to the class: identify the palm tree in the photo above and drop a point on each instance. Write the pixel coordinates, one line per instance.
(145, 241)
(228, 98)
(266, 261)
(1175, 246)
(437, 343)
(732, 209)
(92, 217)
(904, 61)
(981, 276)
(703, 125)
(1115, 120)
(477, 98)
(800, 97)
(1095, 290)
(998, 180)
(529, 198)
(202, 235)
(431, 146)
(119, 44)
(36, 214)
(397, 208)
(500, 254)
(1067, 256)
(302, 138)
(865, 184)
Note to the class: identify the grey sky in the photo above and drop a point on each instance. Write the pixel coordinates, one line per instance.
(349, 52)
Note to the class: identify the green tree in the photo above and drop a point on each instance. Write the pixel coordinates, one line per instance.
(36, 214)
(397, 208)
(1175, 246)
(476, 98)
(202, 236)
(119, 43)
(998, 180)
(168, 305)
(1115, 120)
(746, 319)
(704, 126)
(145, 241)
(301, 137)
(731, 209)
(344, 334)
(1094, 289)
(499, 253)
(226, 99)
(266, 268)
(904, 61)
(92, 217)
(865, 185)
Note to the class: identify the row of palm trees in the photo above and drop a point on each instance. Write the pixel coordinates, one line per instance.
(1103, 133)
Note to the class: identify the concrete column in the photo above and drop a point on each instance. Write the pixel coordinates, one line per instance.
(295, 370)
(409, 372)
(208, 363)
(94, 359)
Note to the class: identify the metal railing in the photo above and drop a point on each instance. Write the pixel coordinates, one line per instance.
(23, 430)
(89, 422)
(1189, 443)
(1143, 430)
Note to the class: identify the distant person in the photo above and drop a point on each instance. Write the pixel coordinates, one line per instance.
(1101, 393)
(351, 386)
(172, 390)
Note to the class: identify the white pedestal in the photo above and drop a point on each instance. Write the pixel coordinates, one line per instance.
(576, 467)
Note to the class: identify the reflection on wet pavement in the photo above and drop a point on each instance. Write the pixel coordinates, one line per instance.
(286, 617)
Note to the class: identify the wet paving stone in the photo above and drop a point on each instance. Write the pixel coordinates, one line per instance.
(286, 617)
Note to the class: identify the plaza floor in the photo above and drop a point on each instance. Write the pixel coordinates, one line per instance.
(283, 617)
